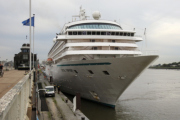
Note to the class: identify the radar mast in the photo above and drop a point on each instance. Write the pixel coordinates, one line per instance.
(82, 14)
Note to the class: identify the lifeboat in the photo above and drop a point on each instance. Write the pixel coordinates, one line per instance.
(49, 60)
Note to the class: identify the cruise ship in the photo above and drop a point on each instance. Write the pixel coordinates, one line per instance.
(96, 58)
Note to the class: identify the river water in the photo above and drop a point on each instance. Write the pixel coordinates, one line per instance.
(155, 95)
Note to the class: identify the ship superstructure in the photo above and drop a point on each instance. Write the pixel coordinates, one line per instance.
(96, 58)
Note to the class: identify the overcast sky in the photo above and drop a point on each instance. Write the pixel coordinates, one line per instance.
(161, 19)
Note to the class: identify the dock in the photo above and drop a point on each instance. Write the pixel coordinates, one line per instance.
(59, 107)
(9, 80)
(19, 99)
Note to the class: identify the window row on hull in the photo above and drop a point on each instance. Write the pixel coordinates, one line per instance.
(95, 26)
(90, 71)
(99, 33)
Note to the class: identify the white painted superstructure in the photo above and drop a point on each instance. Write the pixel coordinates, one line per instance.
(85, 46)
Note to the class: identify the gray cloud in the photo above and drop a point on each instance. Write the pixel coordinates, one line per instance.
(161, 18)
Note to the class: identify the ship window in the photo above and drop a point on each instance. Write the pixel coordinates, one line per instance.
(92, 40)
(108, 26)
(128, 34)
(108, 33)
(117, 33)
(103, 33)
(75, 71)
(121, 33)
(125, 34)
(113, 40)
(93, 33)
(105, 26)
(132, 34)
(70, 33)
(95, 26)
(106, 72)
(79, 33)
(116, 48)
(82, 26)
(84, 32)
(88, 33)
(90, 72)
(112, 33)
(24, 45)
(98, 33)
(94, 48)
(101, 27)
(25, 56)
(74, 33)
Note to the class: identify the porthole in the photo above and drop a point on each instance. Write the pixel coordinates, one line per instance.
(75, 71)
(90, 72)
(106, 72)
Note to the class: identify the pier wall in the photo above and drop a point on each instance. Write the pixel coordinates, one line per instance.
(14, 104)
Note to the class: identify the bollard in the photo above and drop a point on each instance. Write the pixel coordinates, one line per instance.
(34, 76)
(78, 101)
(51, 79)
(82, 118)
(66, 100)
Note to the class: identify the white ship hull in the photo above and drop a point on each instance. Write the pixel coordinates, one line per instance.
(99, 86)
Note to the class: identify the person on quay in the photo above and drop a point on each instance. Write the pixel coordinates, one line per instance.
(58, 89)
(1, 68)
(55, 88)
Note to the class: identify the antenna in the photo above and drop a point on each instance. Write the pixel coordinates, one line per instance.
(145, 36)
(82, 14)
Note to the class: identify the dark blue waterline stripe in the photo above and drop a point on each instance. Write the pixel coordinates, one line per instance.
(82, 64)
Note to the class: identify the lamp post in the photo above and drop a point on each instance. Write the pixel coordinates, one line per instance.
(6, 64)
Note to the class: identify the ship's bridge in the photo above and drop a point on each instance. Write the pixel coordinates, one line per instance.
(96, 29)
(93, 24)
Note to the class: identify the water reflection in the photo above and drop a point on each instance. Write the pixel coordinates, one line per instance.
(155, 95)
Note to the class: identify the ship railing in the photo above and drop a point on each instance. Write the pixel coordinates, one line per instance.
(137, 36)
(99, 49)
(149, 52)
(100, 42)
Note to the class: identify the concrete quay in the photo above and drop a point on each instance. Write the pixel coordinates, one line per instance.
(58, 108)
(9, 80)
(16, 94)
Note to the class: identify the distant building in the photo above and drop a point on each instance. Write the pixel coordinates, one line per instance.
(21, 60)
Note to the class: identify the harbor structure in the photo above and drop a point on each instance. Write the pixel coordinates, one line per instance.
(21, 60)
